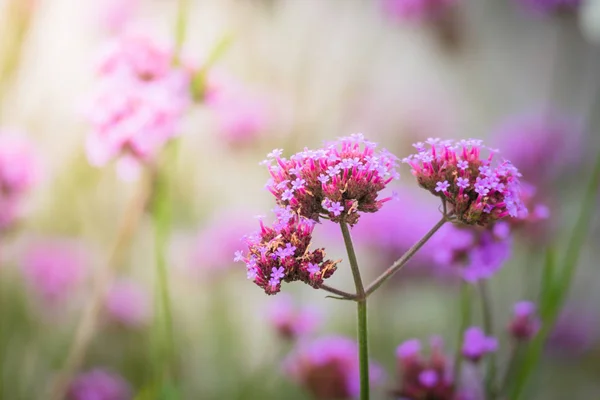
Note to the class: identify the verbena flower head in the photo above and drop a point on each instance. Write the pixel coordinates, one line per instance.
(337, 182)
(479, 190)
(473, 253)
(280, 253)
(476, 344)
(99, 384)
(137, 105)
(290, 321)
(417, 10)
(128, 304)
(575, 333)
(328, 368)
(424, 377)
(18, 173)
(525, 322)
(54, 269)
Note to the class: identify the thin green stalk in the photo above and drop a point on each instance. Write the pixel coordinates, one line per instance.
(401, 262)
(465, 320)
(183, 9)
(161, 213)
(488, 326)
(361, 299)
(510, 367)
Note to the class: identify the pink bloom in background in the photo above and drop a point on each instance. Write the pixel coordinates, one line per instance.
(18, 173)
(99, 384)
(478, 189)
(54, 269)
(281, 253)
(575, 332)
(214, 245)
(416, 10)
(137, 106)
(115, 15)
(551, 6)
(476, 344)
(525, 322)
(128, 304)
(473, 253)
(337, 182)
(242, 115)
(290, 320)
(421, 377)
(328, 368)
(543, 145)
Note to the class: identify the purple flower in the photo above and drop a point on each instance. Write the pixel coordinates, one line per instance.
(551, 6)
(99, 384)
(336, 208)
(313, 268)
(476, 344)
(462, 165)
(278, 273)
(287, 195)
(428, 378)
(442, 186)
(128, 303)
(328, 368)
(290, 321)
(462, 183)
(298, 183)
(286, 251)
(409, 349)
(525, 323)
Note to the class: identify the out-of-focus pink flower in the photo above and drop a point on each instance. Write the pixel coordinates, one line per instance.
(290, 321)
(54, 268)
(137, 105)
(543, 145)
(526, 322)
(575, 332)
(328, 368)
(242, 115)
(18, 173)
(99, 384)
(127, 303)
(281, 253)
(416, 10)
(551, 6)
(476, 344)
(473, 253)
(115, 15)
(339, 181)
(478, 189)
(214, 245)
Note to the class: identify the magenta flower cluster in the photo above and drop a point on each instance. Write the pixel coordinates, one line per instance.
(476, 344)
(525, 323)
(417, 10)
(336, 182)
(137, 105)
(18, 173)
(329, 368)
(424, 378)
(478, 190)
(99, 384)
(291, 321)
(280, 253)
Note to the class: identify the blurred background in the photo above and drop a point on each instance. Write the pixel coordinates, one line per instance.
(521, 75)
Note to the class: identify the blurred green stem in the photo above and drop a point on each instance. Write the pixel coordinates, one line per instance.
(361, 300)
(510, 367)
(465, 320)
(183, 9)
(161, 213)
(488, 326)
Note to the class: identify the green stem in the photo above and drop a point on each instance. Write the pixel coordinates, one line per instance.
(488, 323)
(465, 320)
(162, 220)
(181, 28)
(510, 367)
(361, 299)
(401, 262)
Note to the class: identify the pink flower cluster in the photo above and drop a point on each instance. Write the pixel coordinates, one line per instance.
(424, 378)
(281, 254)
(328, 368)
(99, 384)
(417, 10)
(18, 172)
(476, 344)
(336, 182)
(473, 253)
(478, 191)
(290, 321)
(128, 304)
(54, 269)
(138, 104)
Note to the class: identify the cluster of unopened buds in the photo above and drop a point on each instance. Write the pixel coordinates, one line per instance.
(280, 253)
(479, 190)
